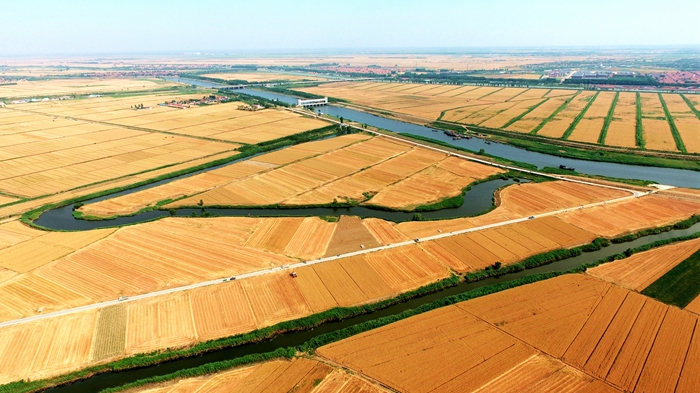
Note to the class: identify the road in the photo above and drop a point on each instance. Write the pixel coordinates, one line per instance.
(634, 194)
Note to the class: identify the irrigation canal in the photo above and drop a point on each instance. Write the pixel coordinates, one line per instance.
(669, 176)
(478, 200)
(113, 379)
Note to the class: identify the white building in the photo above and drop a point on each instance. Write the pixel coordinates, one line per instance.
(312, 102)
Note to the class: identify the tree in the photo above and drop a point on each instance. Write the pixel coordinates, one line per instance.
(341, 119)
(201, 202)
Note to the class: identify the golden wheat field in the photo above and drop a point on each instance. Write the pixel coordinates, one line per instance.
(622, 128)
(451, 349)
(351, 168)
(641, 270)
(570, 333)
(300, 375)
(546, 112)
(213, 180)
(262, 76)
(43, 153)
(24, 89)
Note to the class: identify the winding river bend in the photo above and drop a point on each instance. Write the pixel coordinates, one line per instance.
(669, 176)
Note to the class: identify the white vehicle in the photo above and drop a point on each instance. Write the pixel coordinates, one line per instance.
(122, 298)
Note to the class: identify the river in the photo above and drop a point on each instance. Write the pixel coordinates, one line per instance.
(668, 176)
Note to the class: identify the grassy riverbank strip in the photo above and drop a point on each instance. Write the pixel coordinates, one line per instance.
(578, 117)
(608, 120)
(672, 124)
(639, 128)
(554, 114)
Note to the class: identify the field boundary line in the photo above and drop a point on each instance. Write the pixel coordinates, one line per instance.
(674, 130)
(554, 114)
(685, 358)
(520, 116)
(651, 347)
(537, 350)
(639, 127)
(579, 117)
(608, 120)
(488, 94)
(691, 106)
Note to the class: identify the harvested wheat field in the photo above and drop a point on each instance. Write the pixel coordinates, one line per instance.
(44, 247)
(632, 215)
(608, 332)
(640, 270)
(159, 323)
(78, 86)
(350, 235)
(46, 348)
(214, 179)
(657, 131)
(283, 184)
(446, 350)
(279, 376)
(622, 128)
(253, 77)
(429, 101)
(145, 258)
(516, 201)
(274, 298)
(537, 116)
(55, 156)
(557, 126)
(508, 244)
(445, 179)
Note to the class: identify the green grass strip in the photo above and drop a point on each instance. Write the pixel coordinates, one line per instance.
(532, 108)
(669, 118)
(691, 106)
(608, 120)
(578, 118)
(680, 285)
(554, 114)
(639, 133)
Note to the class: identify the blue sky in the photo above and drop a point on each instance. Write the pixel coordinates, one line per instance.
(127, 26)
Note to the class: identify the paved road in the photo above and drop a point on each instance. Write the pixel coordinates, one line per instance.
(634, 194)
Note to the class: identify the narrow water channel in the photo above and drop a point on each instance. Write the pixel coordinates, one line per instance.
(669, 176)
(113, 379)
(478, 200)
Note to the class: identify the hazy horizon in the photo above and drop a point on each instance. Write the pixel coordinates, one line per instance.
(82, 27)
